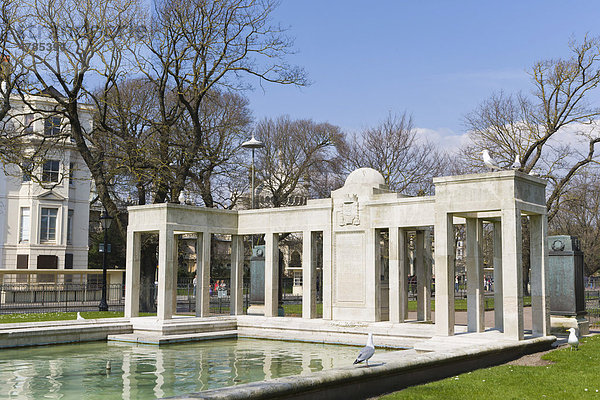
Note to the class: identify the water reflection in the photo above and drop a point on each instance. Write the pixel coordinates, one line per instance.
(138, 371)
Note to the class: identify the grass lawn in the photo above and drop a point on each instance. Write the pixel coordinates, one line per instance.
(574, 375)
(461, 304)
(61, 316)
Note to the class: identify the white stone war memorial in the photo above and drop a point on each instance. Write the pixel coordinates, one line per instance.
(351, 223)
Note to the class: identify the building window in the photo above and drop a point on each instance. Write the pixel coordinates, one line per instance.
(28, 123)
(70, 227)
(26, 169)
(52, 126)
(50, 171)
(25, 227)
(22, 261)
(48, 224)
(297, 278)
(47, 262)
(71, 167)
(68, 261)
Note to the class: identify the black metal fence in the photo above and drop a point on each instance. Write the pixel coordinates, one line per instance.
(54, 297)
(592, 306)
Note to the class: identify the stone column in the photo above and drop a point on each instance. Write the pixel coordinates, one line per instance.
(132, 277)
(512, 274)
(398, 284)
(474, 261)
(444, 274)
(309, 278)
(236, 285)
(165, 273)
(427, 260)
(409, 264)
(422, 284)
(539, 262)
(203, 274)
(175, 270)
(373, 273)
(498, 314)
(327, 284)
(271, 274)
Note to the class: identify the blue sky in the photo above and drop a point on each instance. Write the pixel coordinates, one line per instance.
(435, 59)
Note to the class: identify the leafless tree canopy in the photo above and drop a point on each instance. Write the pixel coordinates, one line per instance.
(298, 155)
(393, 148)
(579, 215)
(552, 132)
(161, 85)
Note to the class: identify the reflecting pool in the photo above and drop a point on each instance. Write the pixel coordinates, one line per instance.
(79, 371)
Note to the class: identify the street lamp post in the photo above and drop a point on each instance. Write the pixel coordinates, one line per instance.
(105, 221)
(253, 144)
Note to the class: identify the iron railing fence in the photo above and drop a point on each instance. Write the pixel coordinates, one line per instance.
(49, 297)
(54, 297)
(592, 306)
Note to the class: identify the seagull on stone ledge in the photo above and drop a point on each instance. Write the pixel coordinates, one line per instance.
(489, 161)
(366, 352)
(573, 341)
(517, 163)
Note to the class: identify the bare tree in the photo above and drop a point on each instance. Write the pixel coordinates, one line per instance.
(541, 130)
(62, 46)
(579, 215)
(407, 162)
(200, 47)
(298, 155)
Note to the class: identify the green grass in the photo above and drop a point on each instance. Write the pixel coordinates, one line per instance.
(290, 310)
(296, 309)
(573, 376)
(61, 316)
(461, 304)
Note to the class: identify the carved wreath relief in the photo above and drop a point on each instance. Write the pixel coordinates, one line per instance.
(349, 213)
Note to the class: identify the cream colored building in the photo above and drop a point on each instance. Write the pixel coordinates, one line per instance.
(44, 224)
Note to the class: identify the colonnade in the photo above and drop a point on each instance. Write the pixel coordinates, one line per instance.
(507, 272)
(351, 222)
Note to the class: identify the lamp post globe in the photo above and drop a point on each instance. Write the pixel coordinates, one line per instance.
(105, 221)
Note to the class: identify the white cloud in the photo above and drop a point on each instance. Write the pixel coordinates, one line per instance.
(445, 139)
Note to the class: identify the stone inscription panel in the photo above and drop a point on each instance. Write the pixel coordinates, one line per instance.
(349, 268)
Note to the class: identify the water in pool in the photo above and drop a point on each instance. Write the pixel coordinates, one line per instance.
(79, 371)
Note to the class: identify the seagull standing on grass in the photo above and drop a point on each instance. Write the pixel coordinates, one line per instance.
(573, 341)
(366, 352)
(489, 161)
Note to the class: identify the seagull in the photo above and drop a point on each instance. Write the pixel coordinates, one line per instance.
(573, 341)
(181, 197)
(517, 163)
(489, 161)
(366, 352)
(79, 317)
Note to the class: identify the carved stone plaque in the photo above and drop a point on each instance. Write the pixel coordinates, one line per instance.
(349, 213)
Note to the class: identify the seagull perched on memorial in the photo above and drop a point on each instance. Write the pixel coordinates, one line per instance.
(517, 163)
(573, 341)
(489, 161)
(366, 352)
(181, 197)
(79, 317)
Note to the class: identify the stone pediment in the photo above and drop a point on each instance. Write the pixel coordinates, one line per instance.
(51, 196)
